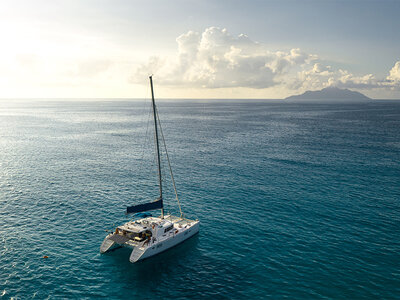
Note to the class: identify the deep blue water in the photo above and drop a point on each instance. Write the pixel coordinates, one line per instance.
(297, 200)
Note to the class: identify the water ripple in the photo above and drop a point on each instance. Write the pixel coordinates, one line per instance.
(295, 201)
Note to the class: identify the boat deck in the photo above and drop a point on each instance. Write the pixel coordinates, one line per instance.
(179, 220)
(128, 232)
(119, 239)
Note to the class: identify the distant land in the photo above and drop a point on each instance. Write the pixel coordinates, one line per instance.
(330, 93)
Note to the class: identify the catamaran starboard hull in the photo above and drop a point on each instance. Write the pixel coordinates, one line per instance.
(165, 245)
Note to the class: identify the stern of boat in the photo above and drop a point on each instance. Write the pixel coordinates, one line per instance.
(107, 244)
(137, 254)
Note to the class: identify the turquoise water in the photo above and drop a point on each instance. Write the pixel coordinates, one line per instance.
(297, 200)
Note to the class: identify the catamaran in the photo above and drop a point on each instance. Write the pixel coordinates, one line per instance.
(149, 235)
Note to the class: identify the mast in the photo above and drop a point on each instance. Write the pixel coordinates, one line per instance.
(157, 144)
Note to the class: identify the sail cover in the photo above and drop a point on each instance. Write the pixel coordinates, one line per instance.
(158, 204)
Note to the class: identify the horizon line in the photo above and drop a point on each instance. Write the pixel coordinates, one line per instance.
(179, 98)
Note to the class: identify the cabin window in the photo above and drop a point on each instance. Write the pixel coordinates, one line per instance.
(168, 228)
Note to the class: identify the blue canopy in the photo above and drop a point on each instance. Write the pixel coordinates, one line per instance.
(158, 204)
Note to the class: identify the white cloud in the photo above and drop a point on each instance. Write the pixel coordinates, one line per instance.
(394, 74)
(216, 59)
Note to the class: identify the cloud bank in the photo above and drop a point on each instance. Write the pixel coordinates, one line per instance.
(216, 59)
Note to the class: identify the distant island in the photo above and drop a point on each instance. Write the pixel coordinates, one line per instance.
(330, 93)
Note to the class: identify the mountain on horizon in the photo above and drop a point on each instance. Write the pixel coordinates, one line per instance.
(330, 93)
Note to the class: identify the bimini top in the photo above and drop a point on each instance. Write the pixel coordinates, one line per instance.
(158, 204)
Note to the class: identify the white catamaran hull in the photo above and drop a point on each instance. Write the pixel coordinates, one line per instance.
(107, 244)
(142, 250)
(165, 244)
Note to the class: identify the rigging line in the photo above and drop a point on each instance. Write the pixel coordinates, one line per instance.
(156, 157)
(145, 138)
(144, 107)
(153, 162)
(147, 125)
(145, 103)
(142, 114)
(145, 141)
(169, 163)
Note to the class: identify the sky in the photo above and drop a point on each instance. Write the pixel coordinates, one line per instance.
(198, 49)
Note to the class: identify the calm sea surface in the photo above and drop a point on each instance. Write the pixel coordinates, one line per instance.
(297, 200)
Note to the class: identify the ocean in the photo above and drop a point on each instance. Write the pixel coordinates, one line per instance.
(295, 199)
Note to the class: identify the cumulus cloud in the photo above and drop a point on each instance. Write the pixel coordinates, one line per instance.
(394, 74)
(320, 75)
(216, 59)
